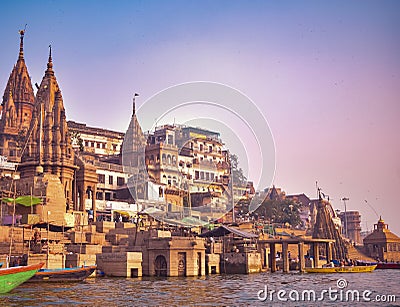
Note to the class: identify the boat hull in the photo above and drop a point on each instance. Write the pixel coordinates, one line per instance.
(11, 278)
(388, 265)
(346, 269)
(63, 275)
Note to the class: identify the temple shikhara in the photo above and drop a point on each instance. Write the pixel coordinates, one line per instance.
(16, 108)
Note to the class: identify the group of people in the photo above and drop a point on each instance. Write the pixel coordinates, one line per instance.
(341, 263)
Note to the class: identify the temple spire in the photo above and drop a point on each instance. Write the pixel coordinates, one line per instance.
(21, 44)
(134, 104)
(49, 70)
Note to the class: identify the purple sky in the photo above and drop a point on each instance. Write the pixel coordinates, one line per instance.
(325, 75)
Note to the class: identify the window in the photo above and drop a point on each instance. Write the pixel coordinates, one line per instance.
(86, 143)
(107, 196)
(170, 139)
(103, 145)
(98, 145)
(196, 175)
(120, 181)
(92, 144)
(201, 147)
(99, 195)
(210, 149)
(101, 178)
(110, 179)
(114, 147)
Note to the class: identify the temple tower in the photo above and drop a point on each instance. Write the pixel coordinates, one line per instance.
(133, 157)
(16, 108)
(49, 150)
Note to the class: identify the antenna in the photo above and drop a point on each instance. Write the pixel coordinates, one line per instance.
(344, 199)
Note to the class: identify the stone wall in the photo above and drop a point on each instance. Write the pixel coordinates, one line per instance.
(124, 264)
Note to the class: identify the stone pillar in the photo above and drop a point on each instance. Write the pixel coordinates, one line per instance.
(94, 201)
(328, 252)
(316, 254)
(301, 256)
(285, 257)
(273, 257)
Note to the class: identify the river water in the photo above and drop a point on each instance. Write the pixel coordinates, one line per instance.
(215, 290)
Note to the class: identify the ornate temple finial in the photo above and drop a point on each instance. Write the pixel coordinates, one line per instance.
(50, 59)
(50, 63)
(21, 44)
(134, 104)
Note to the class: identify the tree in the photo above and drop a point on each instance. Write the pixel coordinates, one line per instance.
(239, 179)
(76, 139)
(280, 211)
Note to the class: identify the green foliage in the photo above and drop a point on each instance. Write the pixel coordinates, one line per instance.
(76, 139)
(239, 179)
(280, 211)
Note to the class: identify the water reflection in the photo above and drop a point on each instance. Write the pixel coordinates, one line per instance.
(215, 290)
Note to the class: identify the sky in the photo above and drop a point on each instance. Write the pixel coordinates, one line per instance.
(324, 75)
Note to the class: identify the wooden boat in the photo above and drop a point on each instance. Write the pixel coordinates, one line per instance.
(63, 275)
(12, 277)
(388, 265)
(345, 269)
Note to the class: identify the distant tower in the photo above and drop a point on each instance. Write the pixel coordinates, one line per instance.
(16, 108)
(353, 219)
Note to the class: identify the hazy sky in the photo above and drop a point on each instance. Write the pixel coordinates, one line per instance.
(325, 75)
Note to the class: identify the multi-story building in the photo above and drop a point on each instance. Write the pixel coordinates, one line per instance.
(351, 226)
(98, 141)
(188, 159)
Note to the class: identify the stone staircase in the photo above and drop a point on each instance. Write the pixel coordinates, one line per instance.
(356, 253)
